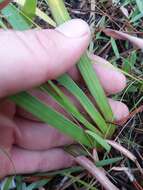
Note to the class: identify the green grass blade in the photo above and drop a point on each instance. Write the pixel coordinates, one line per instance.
(92, 81)
(85, 66)
(73, 88)
(140, 5)
(51, 117)
(39, 13)
(107, 162)
(8, 183)
(18, 181)
(29, 8)
(45, 17)
(99, 140)
(14, 17)
(94, 86)
(86, 185)
(115, 48)
(2, 24)
(59, 11)
(71, 170)
(37, 184)
(67, 104)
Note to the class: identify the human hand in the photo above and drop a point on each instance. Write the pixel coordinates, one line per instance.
(29, 59)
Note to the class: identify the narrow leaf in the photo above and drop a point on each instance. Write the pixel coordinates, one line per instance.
(59, 11)
(115, 48)
(14, 17)
(61, 15)
(2, 24)
(108, 161)
(99, 140)
(140, 5)
(45, 17)
(136, 18)
(37, 184)
(73, 88)
(29, 8)
(51, 117)
(71, 170)
(67, 104)
(39, 13)
(86, 68)
(7, 184)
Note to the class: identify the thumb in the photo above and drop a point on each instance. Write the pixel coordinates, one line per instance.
(32, 57)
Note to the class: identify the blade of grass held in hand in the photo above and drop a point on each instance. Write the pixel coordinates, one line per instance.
(67, 104)
(50, 116)
(15, 19)
(99, 140)
(61, 15)
(73, 88)
(92, 81)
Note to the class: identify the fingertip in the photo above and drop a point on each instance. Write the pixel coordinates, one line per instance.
(112, 80)
(119, 81)
(120, 110)
(26, 161)
(74, 28)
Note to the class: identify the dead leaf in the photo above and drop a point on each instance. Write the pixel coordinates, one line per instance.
(126, 153)
(138, 42)
(99, 174)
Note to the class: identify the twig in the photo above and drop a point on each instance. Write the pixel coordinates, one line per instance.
(126, 153)
(96, 172)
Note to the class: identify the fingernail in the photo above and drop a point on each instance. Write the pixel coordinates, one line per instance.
(74, 28)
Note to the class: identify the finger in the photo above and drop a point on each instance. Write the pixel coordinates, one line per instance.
(48, 100)
(34, 134)
(8, 132)
(120, 110)
(24, 161)
(39, 136)
(35, 56)
(112, 80)
(7, 108)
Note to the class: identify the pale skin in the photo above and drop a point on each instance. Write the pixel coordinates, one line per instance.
(29, 59)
